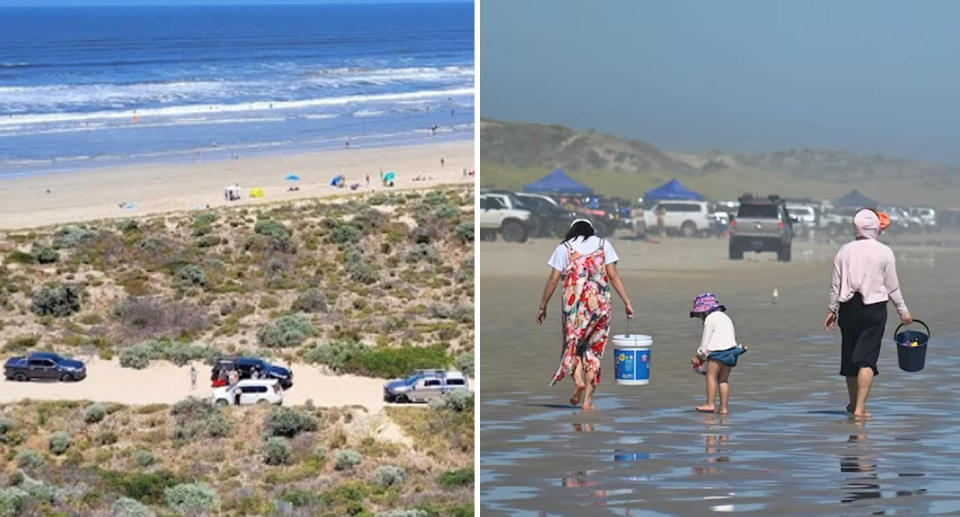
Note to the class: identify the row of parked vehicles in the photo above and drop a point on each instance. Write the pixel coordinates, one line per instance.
(240, 380)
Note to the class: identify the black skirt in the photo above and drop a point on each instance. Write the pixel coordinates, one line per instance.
(862, 329)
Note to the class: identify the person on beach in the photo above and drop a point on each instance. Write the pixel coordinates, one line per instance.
(864, 280)
(588, 266)
(193, 377)
(718, 350)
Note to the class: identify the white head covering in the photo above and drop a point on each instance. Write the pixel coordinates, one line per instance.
(866, 223)
(575, 221)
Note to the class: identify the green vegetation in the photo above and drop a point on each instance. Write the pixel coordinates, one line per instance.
(348, 459)
(56, 300)
(286, 331)
(347, 356)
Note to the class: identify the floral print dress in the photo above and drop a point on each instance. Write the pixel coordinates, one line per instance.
(586, 313)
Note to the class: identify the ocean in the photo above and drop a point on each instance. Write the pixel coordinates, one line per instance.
(91, 87)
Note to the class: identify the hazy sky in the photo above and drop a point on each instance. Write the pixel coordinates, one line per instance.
(866, 76)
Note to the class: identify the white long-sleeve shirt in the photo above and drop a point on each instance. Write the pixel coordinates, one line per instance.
(718, 334)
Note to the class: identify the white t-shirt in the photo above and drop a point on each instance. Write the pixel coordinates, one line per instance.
(718, 334)
(561, 256)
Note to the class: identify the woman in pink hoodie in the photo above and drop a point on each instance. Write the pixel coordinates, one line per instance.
(864, 280)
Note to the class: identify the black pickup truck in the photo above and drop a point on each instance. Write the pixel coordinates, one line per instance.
(44, 366)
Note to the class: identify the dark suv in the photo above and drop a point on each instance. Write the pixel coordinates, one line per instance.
(253, 368)
(762, 224)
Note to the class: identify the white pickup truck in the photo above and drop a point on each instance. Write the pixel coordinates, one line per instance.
(686, 218)
(497, 215)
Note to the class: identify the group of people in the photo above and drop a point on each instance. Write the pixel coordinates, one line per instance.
(864, 280)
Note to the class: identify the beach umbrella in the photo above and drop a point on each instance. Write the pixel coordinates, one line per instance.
(292, 177)
(390, 176)
(337, 180)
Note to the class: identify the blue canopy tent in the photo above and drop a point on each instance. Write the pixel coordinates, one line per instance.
(855, 199)
(557, 182)
(671, 190)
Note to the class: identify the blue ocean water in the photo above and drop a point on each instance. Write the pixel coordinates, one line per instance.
(95, 86)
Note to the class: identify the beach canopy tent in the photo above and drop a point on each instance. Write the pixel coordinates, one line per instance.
(338, 181)
(256, 192)
(390, 176)
(855, 199)
(557, 182)
(671, 190)
(292, 177)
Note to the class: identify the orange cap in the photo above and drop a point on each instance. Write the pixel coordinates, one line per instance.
(884, 220)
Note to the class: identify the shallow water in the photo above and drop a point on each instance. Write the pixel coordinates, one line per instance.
(786, 448)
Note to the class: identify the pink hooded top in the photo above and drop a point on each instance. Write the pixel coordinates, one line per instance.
(866, 266)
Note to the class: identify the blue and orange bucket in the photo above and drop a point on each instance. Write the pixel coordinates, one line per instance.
(912, 347)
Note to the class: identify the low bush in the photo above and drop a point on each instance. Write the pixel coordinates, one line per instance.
(139, 356)
(425, 252)
(143, 317)
(192, 274)
(412, 512)
(59, 442)
(288, 422)
(458, 400)
(277, 451)
(271, 235)
(21, 343)
(143, 458)
(56, 300)
(348, 459)
(389, 475)
(70, 236)
(336, 354)
(286, 331)
(320, 453)
(13, 501)
(20, 257)
(146, 487)
(456, 478)
(191, 498)
(311, 300)
(126, 507)
(464, 232)
(344, 233)
(29, 458)
(199, 418)
(48, 256)
(396, 362)
(465, 363)
(94, 413)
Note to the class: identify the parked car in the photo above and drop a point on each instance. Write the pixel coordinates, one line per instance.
(554, 220)
(835, 222)
(46, 366)
(422, 386)
(762, 224)
(250, 391)
(806, 218)
(686, 218)
(497, 215)
(253, 368)
(926, 215)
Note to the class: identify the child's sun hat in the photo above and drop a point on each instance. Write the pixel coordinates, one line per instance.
(705, 304)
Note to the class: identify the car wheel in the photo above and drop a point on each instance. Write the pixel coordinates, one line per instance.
(222, 402)
(688, 229)
(66, 377)
(20, 377)
(262, 402)
(513, 231)
(402, 399)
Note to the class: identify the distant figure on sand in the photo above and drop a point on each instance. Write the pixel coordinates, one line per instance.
(661, 219)
(718, 350)
(588, 266)
(193, 377)
(441, 162)
(864, 280)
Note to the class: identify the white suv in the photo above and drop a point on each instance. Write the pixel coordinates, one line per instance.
(687, 218)
(250, 391)
(497, 215)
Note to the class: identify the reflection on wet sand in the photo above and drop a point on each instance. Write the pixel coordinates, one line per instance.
(859, 461)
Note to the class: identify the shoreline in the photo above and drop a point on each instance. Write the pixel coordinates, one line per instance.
(92, 194)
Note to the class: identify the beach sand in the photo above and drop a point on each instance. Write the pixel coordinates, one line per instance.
(90, 194)
(787, 447)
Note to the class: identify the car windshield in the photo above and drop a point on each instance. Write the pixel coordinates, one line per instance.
(799, 211)
(758, 211)
(412, 379)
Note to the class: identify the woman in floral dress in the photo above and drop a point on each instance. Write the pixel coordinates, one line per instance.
(587, 266)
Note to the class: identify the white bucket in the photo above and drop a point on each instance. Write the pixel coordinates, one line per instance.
(632, 358)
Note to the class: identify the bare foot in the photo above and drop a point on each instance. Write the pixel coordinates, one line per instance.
(590, 407)
(722, 411)
(706, 408)
(577, 394)
(862, 415)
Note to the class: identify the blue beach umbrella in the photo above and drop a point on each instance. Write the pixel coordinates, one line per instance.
(292, 177)
(390, 176)
(337, 180)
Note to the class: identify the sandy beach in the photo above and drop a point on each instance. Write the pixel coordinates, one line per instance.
(787, 447)
(85, 195)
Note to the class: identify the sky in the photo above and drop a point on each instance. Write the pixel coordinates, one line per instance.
(869, 77)
(125, 3)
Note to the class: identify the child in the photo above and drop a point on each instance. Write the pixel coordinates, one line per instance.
(718, 350)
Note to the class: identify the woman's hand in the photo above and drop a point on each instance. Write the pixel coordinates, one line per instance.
(629, 308)
(906, 318)
(542, 315)
(831, 321)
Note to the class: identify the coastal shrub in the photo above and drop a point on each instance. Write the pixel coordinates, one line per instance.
(320, 453)
(29, 458)
(199, 418)
(411, 512)
(396, 362)
(425, 252)
(137, 356)
(7, 425)
(359, 269)
(348, 459)
(311, 300)
(94, 413)
(271, 235)
(9, 434)
(465, 363)
(456, 478)
(191, 497)
(105, 438)
(464, 232)
(21, 343)
(335, 354)
(128, 225)
(177, 352)
(462, 312)
(20, 257)
(143, 317)
(277, 451)
(126, 507)
(56, 300)
(48, 255)
(192, 274)
(59, 442)
(286, 331)
(344, 233)
(389, 475)
(13, 501)
(288, 422)
(37, 490)
(271, 228)
(203, 223)
(70, 236)
(142, 486)
(143, 458)
(458, 400)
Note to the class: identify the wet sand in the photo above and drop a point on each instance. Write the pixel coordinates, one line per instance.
(786, 448)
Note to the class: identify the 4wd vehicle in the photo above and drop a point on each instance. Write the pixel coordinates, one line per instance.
(422, 386)
(686, 218)
(497, 215)
(927, 216)
(553, 220)
(253, 368)
(761, 225)
(46, 366)
(249, 391)
(806, 218)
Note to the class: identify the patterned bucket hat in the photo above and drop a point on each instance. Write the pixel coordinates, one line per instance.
(705, 304)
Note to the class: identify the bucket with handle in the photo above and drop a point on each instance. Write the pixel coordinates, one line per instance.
(631, 354)
(912, 347)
